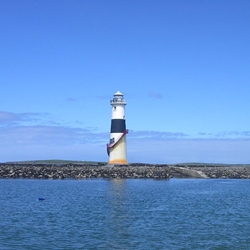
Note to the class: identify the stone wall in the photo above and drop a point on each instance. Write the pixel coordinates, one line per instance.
(81, 171)
(226, 172)
(221, 171)
(136, 170)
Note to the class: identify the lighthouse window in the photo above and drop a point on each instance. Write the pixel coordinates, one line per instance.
(114, 107)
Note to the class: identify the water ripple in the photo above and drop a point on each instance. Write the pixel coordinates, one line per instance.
(124, 214)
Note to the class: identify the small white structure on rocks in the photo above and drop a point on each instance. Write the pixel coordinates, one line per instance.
(117, 148)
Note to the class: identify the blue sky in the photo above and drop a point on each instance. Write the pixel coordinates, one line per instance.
(183, 67)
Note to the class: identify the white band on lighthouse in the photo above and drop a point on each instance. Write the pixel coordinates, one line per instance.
(117, 148)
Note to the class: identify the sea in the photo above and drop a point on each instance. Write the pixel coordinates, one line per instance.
(124, 214)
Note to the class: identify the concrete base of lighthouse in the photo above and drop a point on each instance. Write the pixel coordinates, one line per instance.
(118, 153)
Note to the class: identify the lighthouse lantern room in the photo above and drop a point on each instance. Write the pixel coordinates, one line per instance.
(117, 148)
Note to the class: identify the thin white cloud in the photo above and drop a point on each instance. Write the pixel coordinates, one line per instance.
(155, 95)
(75, 99)
(10, 118)
(226, 134)
(24, 142)
(48, 135)
(202, 133)
(50, 142)
(104, 97)
(156, 134)
(46, 142)
(70, 99)
(233, 151)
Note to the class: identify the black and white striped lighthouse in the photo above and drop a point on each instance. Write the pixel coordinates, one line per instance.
(117, 148)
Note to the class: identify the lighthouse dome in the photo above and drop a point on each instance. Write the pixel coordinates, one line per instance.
(118, 93)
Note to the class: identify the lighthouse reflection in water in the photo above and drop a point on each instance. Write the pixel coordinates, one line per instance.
(125, 214)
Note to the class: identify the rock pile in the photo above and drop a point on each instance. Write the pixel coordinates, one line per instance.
(136, 170)
(81, 171)
(227, 172)
(224, 172)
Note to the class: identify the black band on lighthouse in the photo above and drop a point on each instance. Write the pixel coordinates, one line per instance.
(118, 126)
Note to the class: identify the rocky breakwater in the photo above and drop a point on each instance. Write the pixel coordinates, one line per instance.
(72, 171)
(222, 171)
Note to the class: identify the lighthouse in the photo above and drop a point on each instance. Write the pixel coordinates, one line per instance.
(117, 148)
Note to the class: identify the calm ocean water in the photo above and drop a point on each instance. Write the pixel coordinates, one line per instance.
(125, 214)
